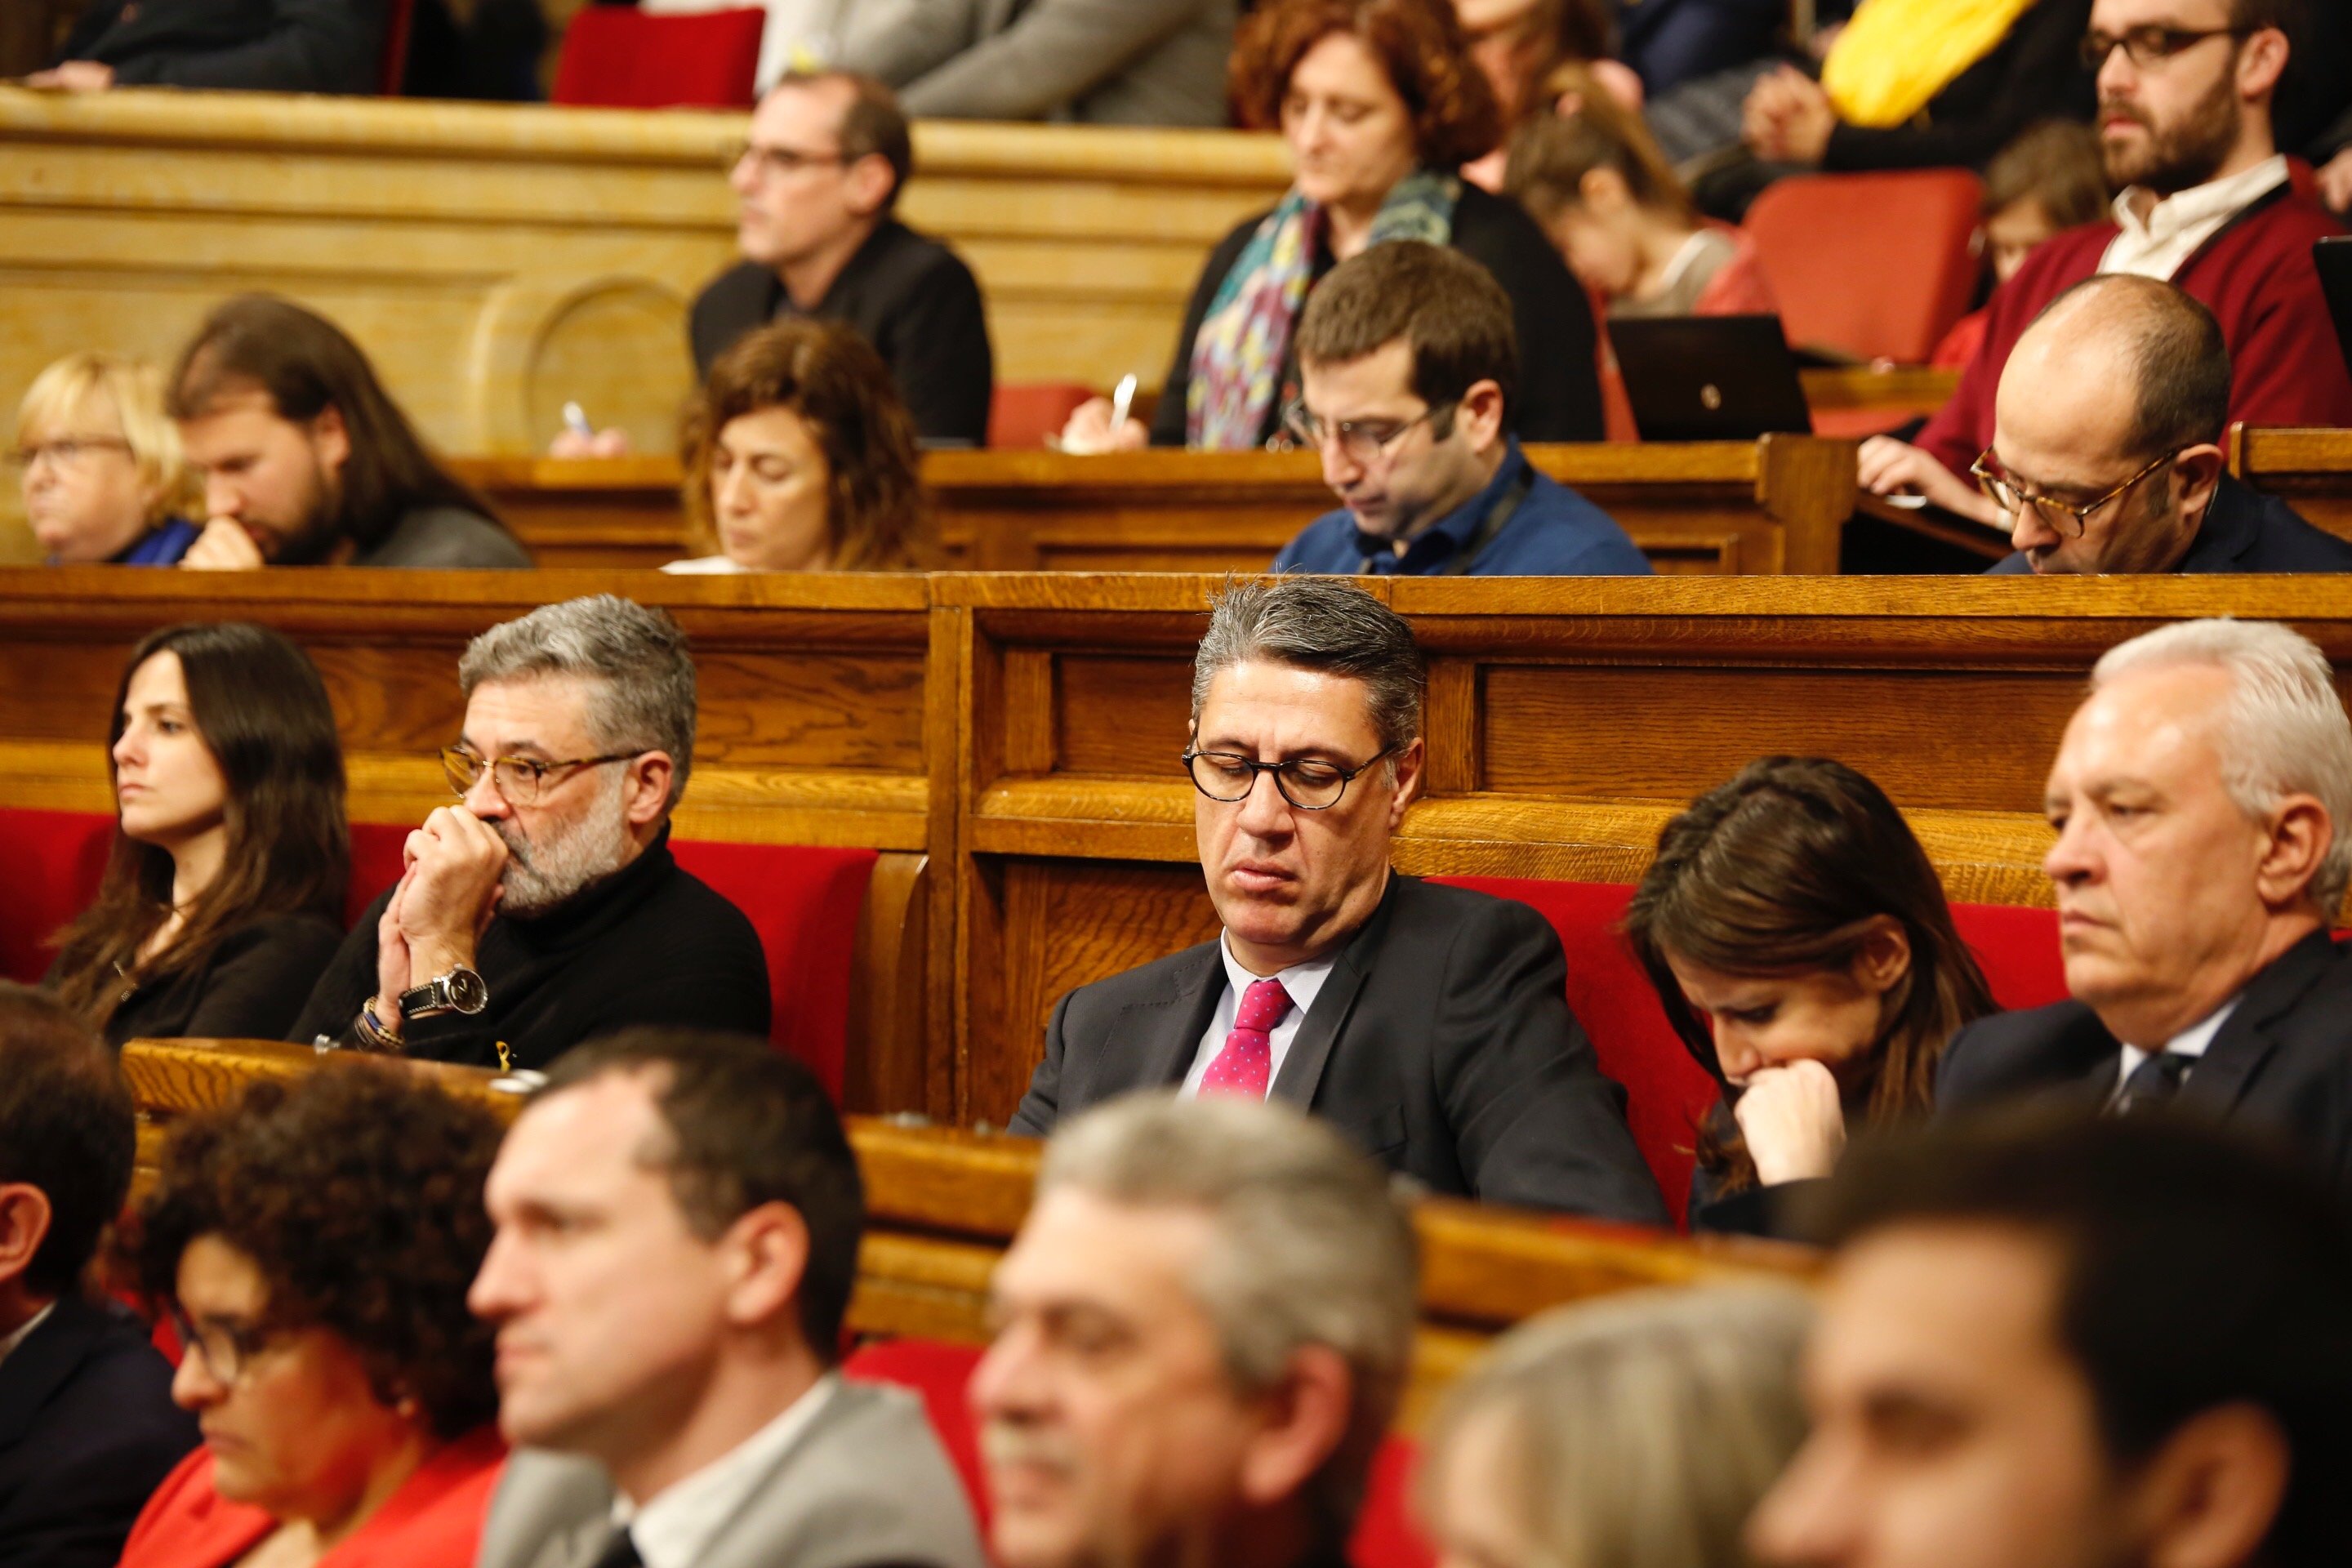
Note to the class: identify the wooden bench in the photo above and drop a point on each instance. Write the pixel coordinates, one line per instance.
(2310, 469)
(1721, 508)
(1568, 719)
(942, 1206)
(832, 745)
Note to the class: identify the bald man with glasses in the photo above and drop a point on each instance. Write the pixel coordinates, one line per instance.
(2106, 453)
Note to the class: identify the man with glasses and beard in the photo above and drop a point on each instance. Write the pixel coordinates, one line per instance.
(1408, 360)
(2106, 453)
(2186, 88)
(544, 906)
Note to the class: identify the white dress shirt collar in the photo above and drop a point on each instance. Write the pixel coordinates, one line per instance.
(675, 1530)
(8, 1346)
(1302, 982)
(2192, 1041)
(2176, 226)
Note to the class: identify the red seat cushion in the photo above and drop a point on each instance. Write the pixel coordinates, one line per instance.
(50, 865)
(619, 58)
(1024, 412)
(1902, 269)
(941, 1373)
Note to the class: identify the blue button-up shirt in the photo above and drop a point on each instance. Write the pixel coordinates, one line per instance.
(1552, 533)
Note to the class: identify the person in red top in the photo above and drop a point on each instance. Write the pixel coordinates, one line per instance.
(314, 1243)
(2208, 202)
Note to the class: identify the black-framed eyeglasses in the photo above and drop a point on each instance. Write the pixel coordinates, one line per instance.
(2063, 518)
(228, 1349)
(2148, 48)
(518, 779)
(1365, 441)
(778, 160)
(1310, 784)
(66, 452)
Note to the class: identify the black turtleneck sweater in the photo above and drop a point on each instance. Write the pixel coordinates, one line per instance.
(649, 944)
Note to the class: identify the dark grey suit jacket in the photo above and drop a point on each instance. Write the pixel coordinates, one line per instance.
(865, 1483)
(1442, 1041)
(2243, 531)
(275, 46)
(88, 1430)
(2282, 1061)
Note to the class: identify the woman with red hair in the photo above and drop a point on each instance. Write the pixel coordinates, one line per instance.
(1381, 105)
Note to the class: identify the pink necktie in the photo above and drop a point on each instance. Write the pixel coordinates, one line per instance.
(1246, 1063)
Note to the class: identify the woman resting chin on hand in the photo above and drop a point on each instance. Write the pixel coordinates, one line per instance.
(1800, 945)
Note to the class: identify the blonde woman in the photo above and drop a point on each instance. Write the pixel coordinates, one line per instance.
(1635, 1432)
(101, 465)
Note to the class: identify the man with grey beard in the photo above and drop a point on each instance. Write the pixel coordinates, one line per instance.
(544, 906)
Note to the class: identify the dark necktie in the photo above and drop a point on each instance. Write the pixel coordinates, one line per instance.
(2154, 1082)
(619, 1552)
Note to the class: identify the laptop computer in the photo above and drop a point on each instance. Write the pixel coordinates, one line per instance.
(1709, 378)
(2335, 259)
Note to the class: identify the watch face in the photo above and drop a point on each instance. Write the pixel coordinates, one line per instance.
(466, 992)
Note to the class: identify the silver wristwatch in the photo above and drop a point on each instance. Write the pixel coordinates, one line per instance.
(460, 991)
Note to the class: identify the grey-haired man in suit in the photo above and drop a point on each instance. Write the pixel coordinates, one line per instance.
(677, 1220)
(1430, 1023)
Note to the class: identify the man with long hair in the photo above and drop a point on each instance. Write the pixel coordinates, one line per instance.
(306, 461)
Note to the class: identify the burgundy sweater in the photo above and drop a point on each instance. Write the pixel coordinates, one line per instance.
(2257, 278)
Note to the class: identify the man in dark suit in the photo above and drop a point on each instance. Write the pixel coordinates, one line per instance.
(815, 187)
(1430, 1023)
(2198, 797)
(269, 46)
(678, 1215)
(2088, 481)
(87, 1428)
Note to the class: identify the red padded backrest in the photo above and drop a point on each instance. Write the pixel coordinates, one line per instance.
(803, 901)
(1667, 1092)
(50, 863)
(1898, 268)
(619, 58)
(1024, 412)
(393, 63)
(941, 1373)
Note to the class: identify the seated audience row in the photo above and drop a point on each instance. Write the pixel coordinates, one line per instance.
(2060, 1340)
(103, 476)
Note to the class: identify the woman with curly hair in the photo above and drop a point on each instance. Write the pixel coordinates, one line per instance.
(1381, 105)
(800, 457)
(1800, 942)
(314, 1243)
(223, 899)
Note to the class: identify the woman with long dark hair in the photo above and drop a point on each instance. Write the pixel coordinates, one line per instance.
(1800, 942)
(223, 899)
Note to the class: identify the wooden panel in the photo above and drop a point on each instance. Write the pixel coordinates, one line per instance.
(1577, 714)
(2311, 468)
(941, 1206)
(1712, 508)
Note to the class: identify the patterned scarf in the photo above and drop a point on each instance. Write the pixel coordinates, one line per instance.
(1238, 353)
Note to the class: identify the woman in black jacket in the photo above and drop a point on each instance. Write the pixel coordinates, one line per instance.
(1381, 106)
(222, 902)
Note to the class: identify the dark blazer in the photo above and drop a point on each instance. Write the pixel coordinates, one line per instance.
(271, 46)
(2282, 1061)
(2244, 531)
(250, 989)
(910, 296)
(1442, 1041)
(1559, 397)
(88, 1429)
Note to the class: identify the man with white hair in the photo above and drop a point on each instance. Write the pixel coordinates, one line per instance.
(543, 906)
(2198, 797)
(1203, 1330)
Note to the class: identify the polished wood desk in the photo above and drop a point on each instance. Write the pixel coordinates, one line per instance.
(941, 1206)
(1568, 718)
(1710, 508)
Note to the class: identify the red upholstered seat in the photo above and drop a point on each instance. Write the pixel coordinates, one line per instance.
(1024, 412)
(1667, 1091)
(942, 1374)
(617, 56)
(1900, 273)
(803, 901)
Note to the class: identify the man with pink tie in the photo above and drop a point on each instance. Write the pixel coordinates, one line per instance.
(1431, 1024)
